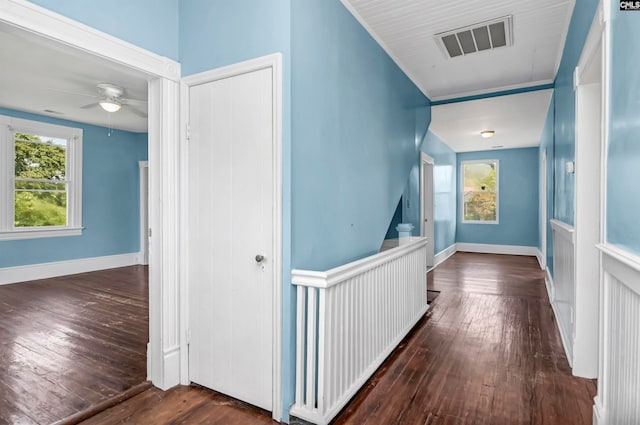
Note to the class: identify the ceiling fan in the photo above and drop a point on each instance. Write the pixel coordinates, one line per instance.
(111, 99)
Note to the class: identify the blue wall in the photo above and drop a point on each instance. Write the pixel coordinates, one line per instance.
(445, 172)
(518, 200)
(151, 24)
(110, 200)
(623, 167)
(547, 142)
(392, 233)
(565, 109)
(354, 121)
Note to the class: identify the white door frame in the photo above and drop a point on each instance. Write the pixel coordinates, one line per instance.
(163, 75)
(274, 62)
(543, 212)
(588, 186)
(143, 256)
(424, 161)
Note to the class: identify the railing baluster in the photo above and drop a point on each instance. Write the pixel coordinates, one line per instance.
(312, 339)
(348, 321)
(300, 345)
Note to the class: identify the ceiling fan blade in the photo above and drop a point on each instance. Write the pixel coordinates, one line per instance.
(91, 105)
(73, 92)
(137, 111)
(129, 100)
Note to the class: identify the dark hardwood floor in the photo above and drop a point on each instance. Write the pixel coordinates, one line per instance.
(71, 342)
(487, 352)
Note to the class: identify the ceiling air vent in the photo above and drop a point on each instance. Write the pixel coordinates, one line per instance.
(477, 37)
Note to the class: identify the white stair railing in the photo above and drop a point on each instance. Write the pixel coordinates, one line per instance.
(349, 319)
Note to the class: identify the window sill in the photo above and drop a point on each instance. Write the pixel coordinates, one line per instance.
(40, 233)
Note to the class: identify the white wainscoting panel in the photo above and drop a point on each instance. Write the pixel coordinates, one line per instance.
(564, 282)
(349, 319)
(618, 399)
(62, 268)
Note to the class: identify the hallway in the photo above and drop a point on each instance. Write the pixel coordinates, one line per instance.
(487, 352)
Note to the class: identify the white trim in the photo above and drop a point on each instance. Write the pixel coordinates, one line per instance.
(622, 256)
(37, 233)
(443, 255)
(544, 242)
(333, 277)
(497, 191)
(551, 289)
(144, 211)
(63, 268)
(598, 413)
(53, 26)
(551, 292)
(424, 161)
(497, 249)
(493, 90)
(563, 336)
(541, 259)
(563, 229)
(274, 62)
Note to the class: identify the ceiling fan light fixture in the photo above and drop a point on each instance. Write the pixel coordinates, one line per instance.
(110, 105)
(487, 133)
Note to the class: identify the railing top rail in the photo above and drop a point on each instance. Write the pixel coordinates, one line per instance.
(339, 274)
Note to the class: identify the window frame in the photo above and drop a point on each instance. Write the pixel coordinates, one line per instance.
(497, 191)
(73, 178)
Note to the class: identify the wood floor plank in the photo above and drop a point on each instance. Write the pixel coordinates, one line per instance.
(71, 342)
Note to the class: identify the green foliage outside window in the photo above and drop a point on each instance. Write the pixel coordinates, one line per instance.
(480, 195)
(40, 187)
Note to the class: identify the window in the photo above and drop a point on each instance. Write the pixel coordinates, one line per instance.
(480, 191)
(41, 179)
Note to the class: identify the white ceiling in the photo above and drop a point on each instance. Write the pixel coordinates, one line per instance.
(406, 29)
(37, 74)
(517, 119)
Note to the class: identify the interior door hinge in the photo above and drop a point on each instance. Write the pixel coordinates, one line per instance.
(188, 131)
(188, 336)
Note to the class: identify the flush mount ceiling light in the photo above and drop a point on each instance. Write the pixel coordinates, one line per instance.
(110, 105)
(487, 133)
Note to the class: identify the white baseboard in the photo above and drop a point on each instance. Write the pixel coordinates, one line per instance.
(497, 249)
(563, 336)
(62, 268)
(551, 289)
(541, 260)
(171, 368)
(598, 413)
(442, 256)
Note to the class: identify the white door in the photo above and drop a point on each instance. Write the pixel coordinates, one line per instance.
(231, 236)
(427, 225)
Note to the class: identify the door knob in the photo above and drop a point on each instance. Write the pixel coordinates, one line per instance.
(259, 258)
